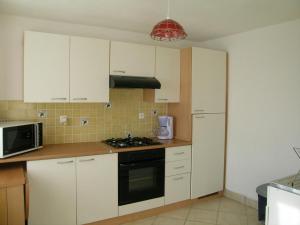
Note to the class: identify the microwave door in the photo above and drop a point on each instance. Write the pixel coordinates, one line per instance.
(17, 139)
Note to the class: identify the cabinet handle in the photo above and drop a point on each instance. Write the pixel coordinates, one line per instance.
(178, 153)
(199, 110)
(65, 162)
(178, 178)
(163, 99)
(82, 99)
(119, 71)
(86, 160)
(178, 167)
(200, 117)
(61, 99)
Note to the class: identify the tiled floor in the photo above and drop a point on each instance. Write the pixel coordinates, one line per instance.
(221, 211)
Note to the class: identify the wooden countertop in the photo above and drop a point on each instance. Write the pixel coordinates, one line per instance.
(84, 149)
(11, 176)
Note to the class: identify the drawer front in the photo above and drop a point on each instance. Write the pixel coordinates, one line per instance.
(178, 153)
(177, 188)
(178, 167)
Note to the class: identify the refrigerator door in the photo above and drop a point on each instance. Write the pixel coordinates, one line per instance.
(208, 154)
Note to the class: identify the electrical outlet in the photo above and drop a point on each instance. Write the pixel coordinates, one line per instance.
(42, 114)
(141, 116)
(63, 119)
(84, 121)
(154, 112)
(108, 105)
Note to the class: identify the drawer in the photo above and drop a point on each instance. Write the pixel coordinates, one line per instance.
(177, 188)
(178, 153)
(178, 167)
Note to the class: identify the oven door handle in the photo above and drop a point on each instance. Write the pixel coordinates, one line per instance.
(142, 163)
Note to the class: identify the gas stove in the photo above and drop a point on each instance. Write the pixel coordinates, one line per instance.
(131, 142)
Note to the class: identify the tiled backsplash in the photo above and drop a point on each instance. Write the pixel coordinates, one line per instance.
(103, 122)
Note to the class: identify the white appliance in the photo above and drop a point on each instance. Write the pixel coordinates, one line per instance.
(19, 137)
(165, 127)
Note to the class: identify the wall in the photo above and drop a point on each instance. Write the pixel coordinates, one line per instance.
(264, 105)
(11, 46)
(104, 122)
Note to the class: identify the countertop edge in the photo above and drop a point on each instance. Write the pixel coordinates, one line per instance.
(56, 151)
(285, 188)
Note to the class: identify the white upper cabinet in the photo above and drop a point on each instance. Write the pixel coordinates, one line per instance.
(59, 68)
(208, 81)
(46, 67)
(130, 59)
(89, 70)
(168, 73)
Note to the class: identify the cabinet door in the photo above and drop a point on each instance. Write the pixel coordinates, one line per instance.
(168, 73)
(132, 59)
(89, 70)
(46, 67)
(283, 207)
(177, 188)
(208, 154)
(208, 81)
(52, 192)
(97, 188)
(178, 153)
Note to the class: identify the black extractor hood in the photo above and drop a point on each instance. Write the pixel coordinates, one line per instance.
(116, 81)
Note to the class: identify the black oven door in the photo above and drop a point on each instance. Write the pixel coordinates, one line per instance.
(141, 181)
(17, 139)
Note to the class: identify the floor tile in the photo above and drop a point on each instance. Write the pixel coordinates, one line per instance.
(253, 220)
(196, 223)
(231, 219)
(201, 215)
(228, 205)
(146, 221)
(177, 214)
(207, 205)
(168, 221)
(251, 211)
(222, 211)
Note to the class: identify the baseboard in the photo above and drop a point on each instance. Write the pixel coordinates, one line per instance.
(141, 206)
(241, 198)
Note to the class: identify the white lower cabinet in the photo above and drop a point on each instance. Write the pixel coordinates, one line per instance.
(177, 172)
(177, 188)
(97, 188)
(52, 192)
(72, 191)
(178, 167)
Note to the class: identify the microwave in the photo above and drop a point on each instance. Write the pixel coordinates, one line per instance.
(19, 137)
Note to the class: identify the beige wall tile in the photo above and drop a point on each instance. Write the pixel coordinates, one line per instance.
(117, 121)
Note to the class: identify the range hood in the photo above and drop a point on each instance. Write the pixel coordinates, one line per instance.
(116, 81)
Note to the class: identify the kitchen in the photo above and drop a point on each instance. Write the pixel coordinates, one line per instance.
(73, 131)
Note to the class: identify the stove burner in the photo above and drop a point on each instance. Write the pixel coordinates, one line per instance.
(130, 142)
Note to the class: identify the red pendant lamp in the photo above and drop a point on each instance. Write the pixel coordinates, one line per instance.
(168, 29)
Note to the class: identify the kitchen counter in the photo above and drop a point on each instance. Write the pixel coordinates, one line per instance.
(84, 149)
(290, 184)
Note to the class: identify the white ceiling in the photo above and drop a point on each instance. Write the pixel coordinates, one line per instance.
(202, 19)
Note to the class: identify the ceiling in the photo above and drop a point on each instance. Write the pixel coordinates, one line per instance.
(202, 19)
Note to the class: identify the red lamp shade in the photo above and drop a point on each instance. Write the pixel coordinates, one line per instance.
(169, 30)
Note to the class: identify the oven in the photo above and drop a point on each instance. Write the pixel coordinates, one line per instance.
(141, 175)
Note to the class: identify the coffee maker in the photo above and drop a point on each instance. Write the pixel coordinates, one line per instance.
(165, 127)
